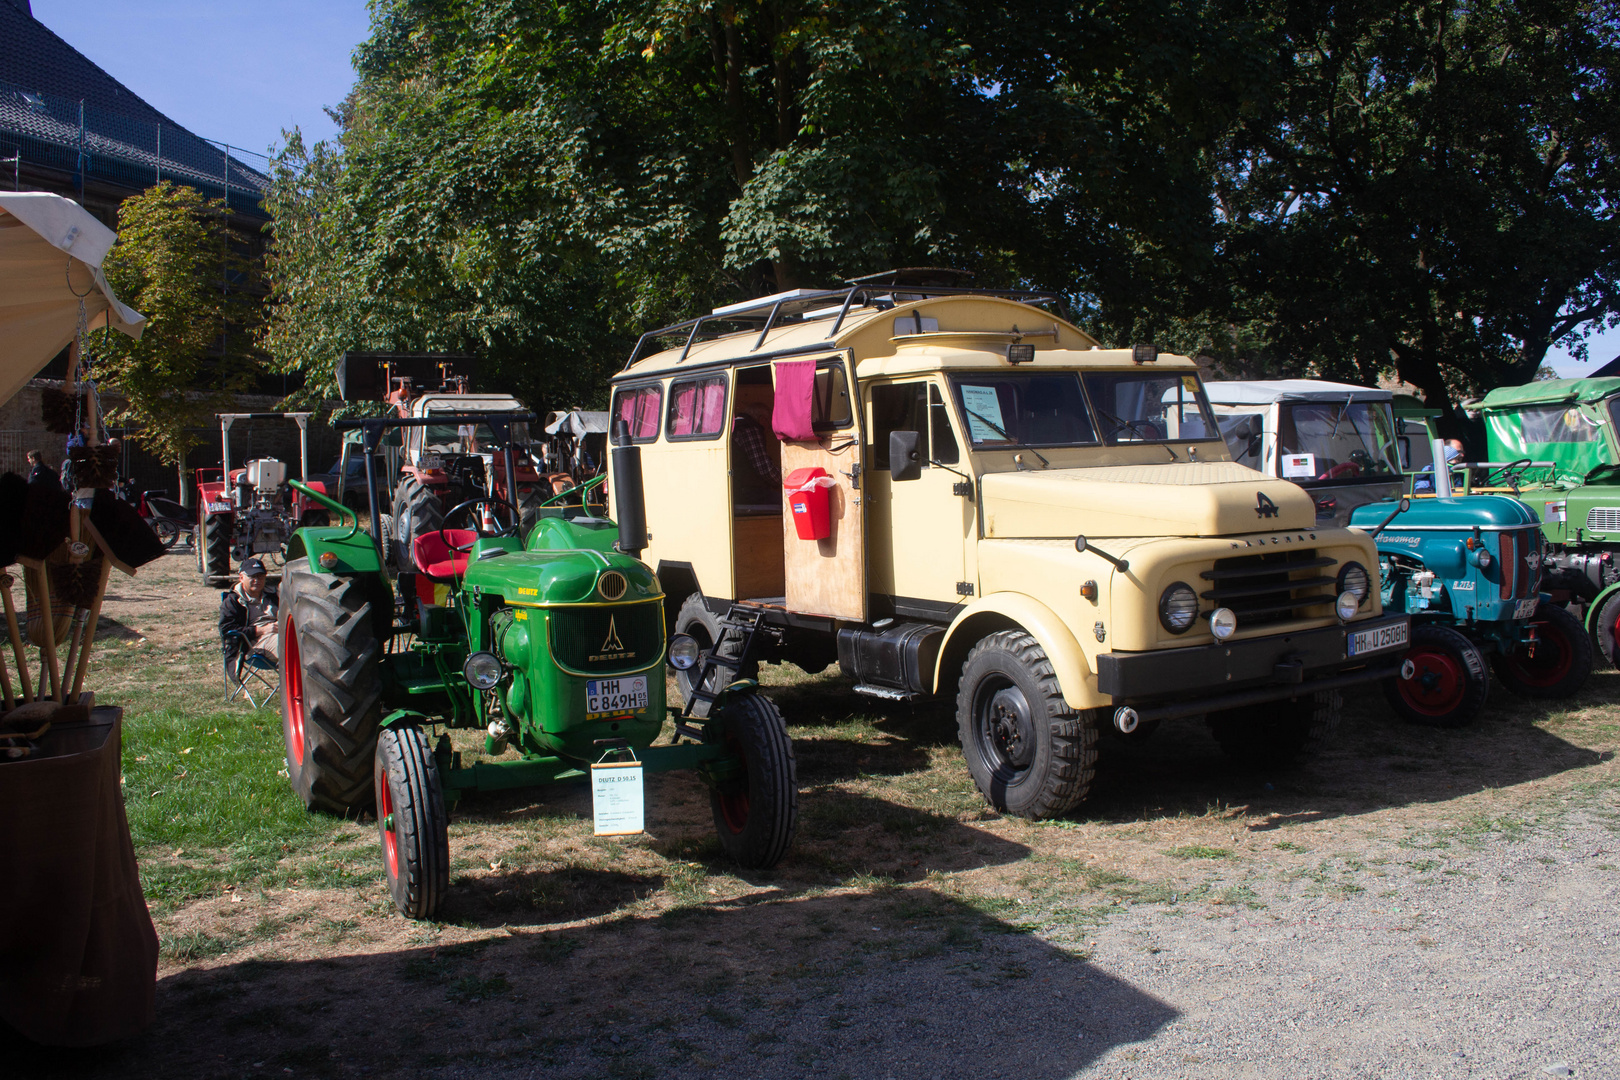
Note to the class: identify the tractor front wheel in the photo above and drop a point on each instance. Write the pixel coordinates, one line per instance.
(1559, 663)
(1278, 734)
(412, 823)
(757, 812)
(1443, 681)
(331, 688)
(214, 553)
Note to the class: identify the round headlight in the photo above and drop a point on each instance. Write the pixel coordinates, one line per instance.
(483, 671)
(1346, 606)
(1353, 579)
(1178, 607)
(1222, 623)
(684, 652)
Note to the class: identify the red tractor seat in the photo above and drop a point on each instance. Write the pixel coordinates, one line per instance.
(435, 556)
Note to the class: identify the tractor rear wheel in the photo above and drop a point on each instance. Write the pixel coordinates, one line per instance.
(1278, 734)
(417, 511)
(1560, 664)
(1606, 630)
(331, 688)
(214, 553)
(756, 813)
(1443, 680)
(412, 823)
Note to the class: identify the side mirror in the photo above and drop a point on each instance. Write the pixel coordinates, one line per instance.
(905, 462)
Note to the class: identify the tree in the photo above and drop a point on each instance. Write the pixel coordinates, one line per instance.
(1429, 185)
(171, 263)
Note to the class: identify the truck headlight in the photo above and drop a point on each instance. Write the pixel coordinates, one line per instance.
(483, 671)
(1346, 606)
(684, 652)
(1178, 607)
(1222, 623)
(1353, 579)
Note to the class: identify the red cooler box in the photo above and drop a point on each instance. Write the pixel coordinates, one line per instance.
(809, 501)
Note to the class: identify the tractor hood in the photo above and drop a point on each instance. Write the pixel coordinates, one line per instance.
(1201, 498)
(561, 577)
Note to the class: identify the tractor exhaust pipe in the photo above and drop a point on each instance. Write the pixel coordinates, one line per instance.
(629, 504)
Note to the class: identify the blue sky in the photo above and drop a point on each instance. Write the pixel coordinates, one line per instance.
(228, 70)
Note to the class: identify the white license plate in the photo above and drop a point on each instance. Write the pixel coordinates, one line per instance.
(603, 696)
(1526, 608)
(430, 461)
(219, 508)
(1377, 639)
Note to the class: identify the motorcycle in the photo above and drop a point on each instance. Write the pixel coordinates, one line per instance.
(168, 518)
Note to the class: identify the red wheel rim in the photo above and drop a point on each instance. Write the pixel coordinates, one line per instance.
(1552, 660)
(1439, 681)
(385, 825)
(293, 684)
(734, 804)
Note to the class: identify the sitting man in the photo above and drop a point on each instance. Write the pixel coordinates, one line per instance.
(247, 616)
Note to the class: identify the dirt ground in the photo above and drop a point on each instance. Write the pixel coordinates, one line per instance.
(1414, 903)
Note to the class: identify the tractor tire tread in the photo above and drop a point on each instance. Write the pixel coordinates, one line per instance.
(421, 820)
(766, 744)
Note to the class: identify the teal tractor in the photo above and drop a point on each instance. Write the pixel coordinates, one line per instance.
(1469, 572)
(556, 650)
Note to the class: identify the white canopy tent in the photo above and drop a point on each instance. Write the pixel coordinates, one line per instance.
(50, 260)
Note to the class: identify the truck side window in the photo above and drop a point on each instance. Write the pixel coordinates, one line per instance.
(697, 408)
(898, 407)
(829, 403)
(639, 407)
(944, 442)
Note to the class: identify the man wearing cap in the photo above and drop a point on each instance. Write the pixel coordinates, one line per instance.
(247, 616)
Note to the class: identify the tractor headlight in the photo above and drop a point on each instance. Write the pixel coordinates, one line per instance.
(483, 671)
(684, 652)
(1346, 606)
(1178, 607)
(1353, 579)
(1222, 623)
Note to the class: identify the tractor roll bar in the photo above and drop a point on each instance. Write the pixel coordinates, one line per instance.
(372, 428)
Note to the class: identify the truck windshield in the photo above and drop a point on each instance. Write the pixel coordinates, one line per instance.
(1035, 409)
(1336, 440)
(1137, 407)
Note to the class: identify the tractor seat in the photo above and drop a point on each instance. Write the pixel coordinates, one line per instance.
(436, 558)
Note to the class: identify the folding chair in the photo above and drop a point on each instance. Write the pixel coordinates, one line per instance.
(252, 674)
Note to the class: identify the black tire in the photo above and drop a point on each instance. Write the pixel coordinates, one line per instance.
(1278, 734)
(704, 626)
(1562, 661)
(1449, 681)
(167, 531)
(413, 827)
(389, 547)
(1606, 630)
(1029, 753)
(417, 510)
(214, 554)
(529, 512)
(315, 519)
(756, 814)
(331, 688)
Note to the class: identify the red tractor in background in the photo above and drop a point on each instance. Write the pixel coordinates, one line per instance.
(438, 467)
(251, 510)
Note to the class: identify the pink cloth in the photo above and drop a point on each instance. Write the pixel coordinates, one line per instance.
(795, 384)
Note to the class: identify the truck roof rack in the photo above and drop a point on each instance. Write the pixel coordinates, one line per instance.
(802, 305)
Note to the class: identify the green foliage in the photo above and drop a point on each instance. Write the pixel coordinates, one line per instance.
(170, 263)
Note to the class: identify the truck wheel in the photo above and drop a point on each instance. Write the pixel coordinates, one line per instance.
(704, 626)
(412, 823)
(1029, 753)
(755, 815)
(1278, 734)
(417, 511)
(331, 688)
(1606, 630)
(214, 554)
(1443, 681)
(1562, 659)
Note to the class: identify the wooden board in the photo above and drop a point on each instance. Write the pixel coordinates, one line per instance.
(827, 577)
(756, 555)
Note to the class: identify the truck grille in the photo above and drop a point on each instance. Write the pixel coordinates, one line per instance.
(607, 638)
(1269, 588)
(1603, 519)
(1521, 563)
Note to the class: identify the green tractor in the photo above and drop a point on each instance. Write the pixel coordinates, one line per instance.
(556, 649)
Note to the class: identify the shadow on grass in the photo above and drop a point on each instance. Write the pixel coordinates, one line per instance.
(902, 982)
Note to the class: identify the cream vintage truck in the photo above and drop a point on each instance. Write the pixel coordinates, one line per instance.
(950, 491)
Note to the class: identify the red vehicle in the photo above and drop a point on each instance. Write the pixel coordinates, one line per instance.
(251, 510)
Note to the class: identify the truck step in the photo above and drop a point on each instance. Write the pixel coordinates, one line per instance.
(888, 693)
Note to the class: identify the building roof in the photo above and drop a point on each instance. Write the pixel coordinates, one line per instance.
(48, 89)
(1264, 392)
(1549, 392)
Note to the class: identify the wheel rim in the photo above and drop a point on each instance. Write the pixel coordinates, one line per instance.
(1439, 681)
(1550, 664)
(386, 826)
(734, 803)
(1003, 726)
(292, 681)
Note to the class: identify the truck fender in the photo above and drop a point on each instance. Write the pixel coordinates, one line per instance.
(1007, 611)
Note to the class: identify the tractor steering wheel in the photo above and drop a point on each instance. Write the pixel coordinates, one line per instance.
(462, 508)
(1508, 473)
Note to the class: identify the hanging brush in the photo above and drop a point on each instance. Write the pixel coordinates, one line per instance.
(60, 410)
(94, 466)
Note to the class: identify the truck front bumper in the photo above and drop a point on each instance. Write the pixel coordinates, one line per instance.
(1229, 675)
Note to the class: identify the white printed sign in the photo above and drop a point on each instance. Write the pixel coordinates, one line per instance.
(1299, 466)
(617, 800)
(983, 408)
(1556, 511)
